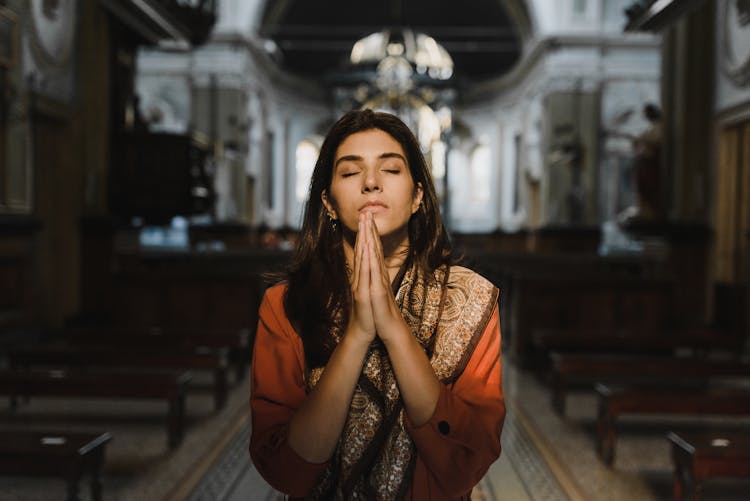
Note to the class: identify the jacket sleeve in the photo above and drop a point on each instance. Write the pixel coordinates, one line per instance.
(277, 390)
(462, 438)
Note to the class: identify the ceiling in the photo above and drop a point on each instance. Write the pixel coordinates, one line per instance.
(315, 37)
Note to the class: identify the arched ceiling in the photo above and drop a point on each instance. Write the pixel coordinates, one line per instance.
(315, 37)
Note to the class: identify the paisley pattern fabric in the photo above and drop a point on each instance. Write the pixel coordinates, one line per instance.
(375, 455)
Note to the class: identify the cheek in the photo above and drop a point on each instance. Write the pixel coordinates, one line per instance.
(346, 209)
(335, 199)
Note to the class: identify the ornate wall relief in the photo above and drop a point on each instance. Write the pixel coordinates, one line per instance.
(735, 54)
(49, 44)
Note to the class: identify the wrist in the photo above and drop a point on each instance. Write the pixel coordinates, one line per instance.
(395, 335)
(356, 339)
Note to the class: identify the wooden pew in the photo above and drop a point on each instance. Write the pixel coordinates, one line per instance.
(577, 299)
(568, 368)
(235, 341)
(121, 358)
(698, 456)
(620, 341)
(725, 333)
(616, 401)
(57, 383)
(695, 340)
(191, 290)
(53, 453)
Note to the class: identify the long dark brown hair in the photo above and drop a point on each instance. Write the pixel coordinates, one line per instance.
(318, 282)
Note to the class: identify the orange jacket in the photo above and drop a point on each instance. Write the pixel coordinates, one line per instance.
(454, 448)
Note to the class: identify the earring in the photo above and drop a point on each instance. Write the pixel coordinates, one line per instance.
(334, 222)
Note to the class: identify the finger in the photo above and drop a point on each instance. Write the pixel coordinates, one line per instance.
(358, 248)
(378, 255)
(375, 236)
(377, 280)
(364, 274)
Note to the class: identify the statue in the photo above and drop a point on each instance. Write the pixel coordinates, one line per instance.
(647, 169)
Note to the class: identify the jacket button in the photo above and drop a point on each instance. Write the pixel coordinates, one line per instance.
(444, 427)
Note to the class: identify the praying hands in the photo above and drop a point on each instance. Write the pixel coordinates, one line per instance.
(374, 310)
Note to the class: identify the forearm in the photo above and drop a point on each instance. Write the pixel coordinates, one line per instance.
(462, 437)
(315, 428)
(417, 382)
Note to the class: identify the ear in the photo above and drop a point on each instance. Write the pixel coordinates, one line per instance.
(418, 194)
(328, 205)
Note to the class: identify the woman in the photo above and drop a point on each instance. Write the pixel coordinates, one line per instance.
(376, 368)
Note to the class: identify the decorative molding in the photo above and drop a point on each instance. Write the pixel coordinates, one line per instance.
(542, 48)
(266, 66)
(733, 115)
(148, 19)
(660, 14)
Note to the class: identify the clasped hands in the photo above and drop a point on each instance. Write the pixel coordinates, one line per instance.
(374, 309)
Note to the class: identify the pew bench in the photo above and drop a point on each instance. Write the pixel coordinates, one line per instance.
(697, 340)
(608, 342)
(237, 342)
(129, 357)
(699, 456)
(588, 368)
(685, 400)
(55, 454)
(171, 387)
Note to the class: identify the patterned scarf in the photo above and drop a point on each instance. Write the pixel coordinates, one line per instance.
(375, 456)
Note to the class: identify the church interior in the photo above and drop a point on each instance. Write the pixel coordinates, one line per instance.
(591, 158)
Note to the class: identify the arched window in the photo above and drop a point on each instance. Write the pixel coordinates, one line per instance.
(470, 187)
(480, 174)
(305, 158)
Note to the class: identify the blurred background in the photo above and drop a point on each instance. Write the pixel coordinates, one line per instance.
(591, 157)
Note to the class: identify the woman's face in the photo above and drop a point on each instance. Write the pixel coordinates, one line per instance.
(371, 174)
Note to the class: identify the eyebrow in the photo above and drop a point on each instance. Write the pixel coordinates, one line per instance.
(357, 158)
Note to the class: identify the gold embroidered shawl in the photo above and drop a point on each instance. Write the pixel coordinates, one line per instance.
(375, 455)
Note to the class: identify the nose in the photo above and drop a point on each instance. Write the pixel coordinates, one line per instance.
(372, 182)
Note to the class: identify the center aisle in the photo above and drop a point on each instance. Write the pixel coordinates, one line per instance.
(234, 477)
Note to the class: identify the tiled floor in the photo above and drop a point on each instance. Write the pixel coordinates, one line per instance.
(642, 469)
(520, 474)
(547, 457)
(501, 483)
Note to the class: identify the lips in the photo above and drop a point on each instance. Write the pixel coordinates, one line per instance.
(373, 206)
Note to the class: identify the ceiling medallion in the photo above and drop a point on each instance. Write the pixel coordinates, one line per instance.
(736, 43)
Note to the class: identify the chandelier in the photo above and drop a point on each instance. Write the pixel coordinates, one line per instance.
(400, 57)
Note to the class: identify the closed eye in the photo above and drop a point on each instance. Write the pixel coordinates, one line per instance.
(348, 174)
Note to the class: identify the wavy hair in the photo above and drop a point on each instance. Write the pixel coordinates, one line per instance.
(318, 285)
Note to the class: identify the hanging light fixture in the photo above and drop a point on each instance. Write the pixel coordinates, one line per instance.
(408, 74)
(399, 55)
